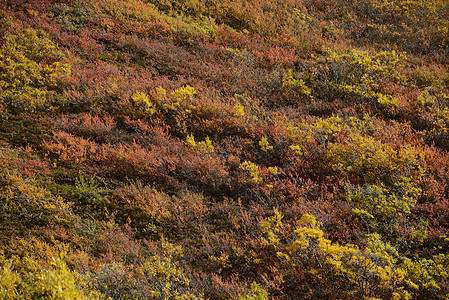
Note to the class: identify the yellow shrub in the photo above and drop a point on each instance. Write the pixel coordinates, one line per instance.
(264, 144)
(253, 170)
(376, 271)
(203, 146)
(363, 157)
(143, 101)
(29, 66)
(290, 81)
(377, 201)
(166, 278)
(361, 75)
(239, 110)
(255, 293)
(25, 278)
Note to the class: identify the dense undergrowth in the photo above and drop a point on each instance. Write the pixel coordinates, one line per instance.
(203, 149)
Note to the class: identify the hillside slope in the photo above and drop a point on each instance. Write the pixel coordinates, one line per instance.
(203, 149)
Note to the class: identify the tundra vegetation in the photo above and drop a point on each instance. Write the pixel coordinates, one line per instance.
(205, 149)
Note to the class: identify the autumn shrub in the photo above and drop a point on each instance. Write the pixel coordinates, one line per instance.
(431, 76)
(88, 190)
(25, 202)
(72, 148)
(381, 208)
(146, 18)
(402, 23)
(414, 26)
(124, 160)
(324, 140)
(255, 293)
(354, 77)
(99, 128)
(386, 179)
(183, 109)
(376, 271)
(160, 276)
(264, 19)
(30, 203)
(73, 18)
(144, 160)
(209, 172)
(370, 160)
(28, 278)
(143, 205)
(165, 275)
(31, 65)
